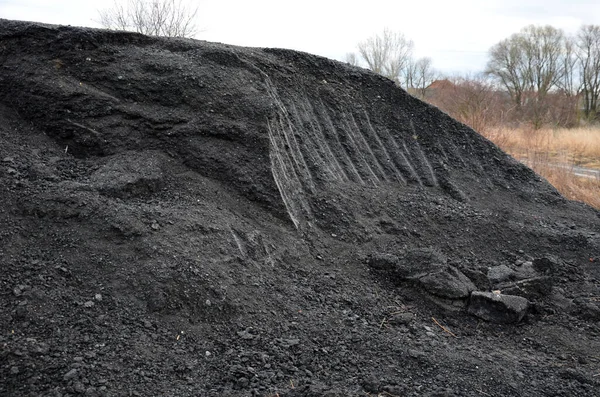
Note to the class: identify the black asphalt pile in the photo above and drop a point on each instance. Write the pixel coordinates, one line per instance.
(183, 218)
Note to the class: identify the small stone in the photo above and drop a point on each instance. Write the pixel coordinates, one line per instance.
(98, 297)
(290, 342)
(71, 374)
(11, 171)
(79, 387)
(401, 319)
(208, 354)
(246, 335)
(415, 353)
(89, 304)
(525, 270)
(21, 312)
(14, 370)
(8, 159)
(155, 225)
(242, 382)
(371, 384)
(394, 390)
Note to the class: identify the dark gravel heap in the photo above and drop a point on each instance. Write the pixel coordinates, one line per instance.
(183, 218)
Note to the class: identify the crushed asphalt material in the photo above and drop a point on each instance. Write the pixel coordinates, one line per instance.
(184, 218)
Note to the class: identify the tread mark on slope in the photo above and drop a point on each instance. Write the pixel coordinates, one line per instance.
(356, 154)
(324, 145)
(378, 169)
(289, 134)
(406, 154)
(389, 163)
(431, 179)
(311, 146)
(425, 167)
(351, 171)
(239, 242)
(288, 183)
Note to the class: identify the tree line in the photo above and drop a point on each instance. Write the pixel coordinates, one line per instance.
(538, 76)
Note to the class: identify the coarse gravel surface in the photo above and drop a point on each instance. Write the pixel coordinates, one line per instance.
(185, 218)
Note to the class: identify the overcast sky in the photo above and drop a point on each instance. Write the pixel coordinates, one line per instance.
(455, 34)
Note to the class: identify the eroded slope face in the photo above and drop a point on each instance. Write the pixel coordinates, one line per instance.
(220, 221)
(278, 126)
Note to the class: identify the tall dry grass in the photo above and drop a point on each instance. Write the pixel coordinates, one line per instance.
(553, 154)
(580, 146)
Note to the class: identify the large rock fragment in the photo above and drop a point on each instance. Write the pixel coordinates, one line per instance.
(498, 274)
(448, 283)
(383, 262)
(498, 308)
(426, 268)
(547, 264)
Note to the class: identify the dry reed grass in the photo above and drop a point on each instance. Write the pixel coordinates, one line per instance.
(580, 145)
(553, 154)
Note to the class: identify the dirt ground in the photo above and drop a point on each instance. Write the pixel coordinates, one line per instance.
(183, 218)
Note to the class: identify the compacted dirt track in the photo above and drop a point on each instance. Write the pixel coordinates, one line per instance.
(183, 218)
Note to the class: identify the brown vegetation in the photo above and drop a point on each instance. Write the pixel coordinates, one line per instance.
(553, 154)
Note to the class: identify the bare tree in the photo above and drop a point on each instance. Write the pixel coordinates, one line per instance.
(529, 65)
(544, 48)
(423, 75)
(387, 54)
(171, 18)
(408, 75)
(588, 56)
(352, 59)
(570, 82)
(508, 65)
